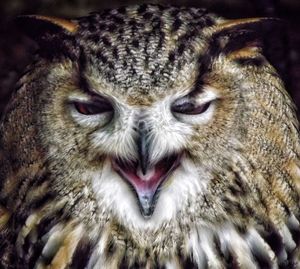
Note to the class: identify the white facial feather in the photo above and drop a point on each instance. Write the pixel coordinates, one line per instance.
(118, 142)
(119, 198)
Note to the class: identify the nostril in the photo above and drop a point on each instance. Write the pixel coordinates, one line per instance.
(139, 126)
(142, 126)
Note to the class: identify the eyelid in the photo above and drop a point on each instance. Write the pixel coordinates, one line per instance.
(182, 100)
(91, 98)
(207, 95)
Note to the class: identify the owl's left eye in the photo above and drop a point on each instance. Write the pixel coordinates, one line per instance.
(190, 108)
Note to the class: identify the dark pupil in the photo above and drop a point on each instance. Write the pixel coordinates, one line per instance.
(184, 108)
(93, 108)
(190, 108)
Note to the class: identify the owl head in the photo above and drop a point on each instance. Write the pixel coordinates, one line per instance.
(150, 115)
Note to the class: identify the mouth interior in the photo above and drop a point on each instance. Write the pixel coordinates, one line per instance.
(146, 185)
(154, 176)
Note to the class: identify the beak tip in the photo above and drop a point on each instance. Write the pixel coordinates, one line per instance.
(146, 205)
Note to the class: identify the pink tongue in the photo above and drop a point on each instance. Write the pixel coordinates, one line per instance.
(148, 182)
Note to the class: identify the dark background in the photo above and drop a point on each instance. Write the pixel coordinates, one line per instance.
(16, 51)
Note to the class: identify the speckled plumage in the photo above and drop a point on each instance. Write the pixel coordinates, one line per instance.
(230, 198)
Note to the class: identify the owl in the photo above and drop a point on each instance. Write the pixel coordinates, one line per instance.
(149, 137)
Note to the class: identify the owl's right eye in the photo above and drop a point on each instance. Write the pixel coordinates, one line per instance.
(96, 112)
(93, 108)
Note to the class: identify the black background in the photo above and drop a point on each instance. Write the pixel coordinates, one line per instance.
(16, 50)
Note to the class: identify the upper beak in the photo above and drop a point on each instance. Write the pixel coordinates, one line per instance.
(143, 147)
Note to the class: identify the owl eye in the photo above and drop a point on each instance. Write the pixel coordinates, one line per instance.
(190, 108)
(93, 108)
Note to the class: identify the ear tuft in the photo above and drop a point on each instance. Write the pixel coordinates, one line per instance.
(36, 26)
(55, 36)
(248, 22)
(233, 35)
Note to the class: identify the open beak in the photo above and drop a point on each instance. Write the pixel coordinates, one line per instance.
(146, 183)
(144, 177)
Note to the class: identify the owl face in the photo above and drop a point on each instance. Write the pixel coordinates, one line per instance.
(155, 109)
(145, 152)
(139, 156)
